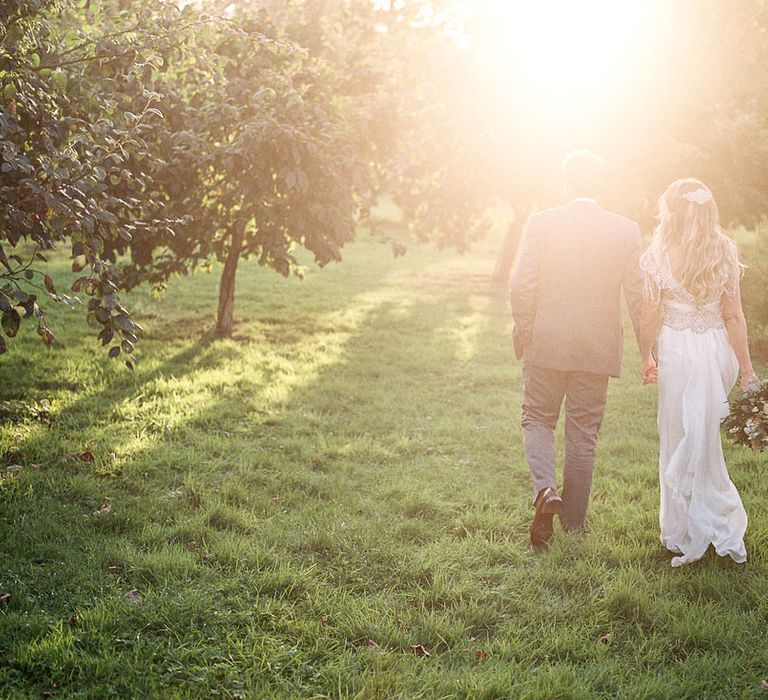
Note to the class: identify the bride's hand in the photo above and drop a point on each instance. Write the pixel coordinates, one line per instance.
(749, 382)
(650, 371)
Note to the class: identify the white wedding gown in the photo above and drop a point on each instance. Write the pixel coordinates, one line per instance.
(697, 368)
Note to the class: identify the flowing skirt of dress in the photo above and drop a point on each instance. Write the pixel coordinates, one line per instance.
(699, 503)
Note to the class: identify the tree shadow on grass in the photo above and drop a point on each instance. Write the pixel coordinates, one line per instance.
(363, 379)
(80, 533)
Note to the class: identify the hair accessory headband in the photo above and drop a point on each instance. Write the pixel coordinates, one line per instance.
(700, 196)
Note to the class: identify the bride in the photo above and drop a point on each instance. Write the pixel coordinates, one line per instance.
(691, 272)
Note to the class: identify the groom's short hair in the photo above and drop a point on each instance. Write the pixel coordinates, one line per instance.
(583, 172)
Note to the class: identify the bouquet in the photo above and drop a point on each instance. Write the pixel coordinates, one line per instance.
(747, 422)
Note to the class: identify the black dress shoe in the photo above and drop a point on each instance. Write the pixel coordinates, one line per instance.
(547, 505)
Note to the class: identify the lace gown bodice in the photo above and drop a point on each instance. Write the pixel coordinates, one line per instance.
(679, 309)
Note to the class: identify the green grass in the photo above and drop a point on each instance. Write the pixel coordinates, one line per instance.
(347, 468)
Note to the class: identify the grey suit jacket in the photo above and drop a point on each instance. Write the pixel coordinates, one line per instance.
(565, 289)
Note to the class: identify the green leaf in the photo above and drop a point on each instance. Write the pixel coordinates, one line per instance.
(106, 335)
(59, 80)
(108, 216)
(11, 321)
(124, 322)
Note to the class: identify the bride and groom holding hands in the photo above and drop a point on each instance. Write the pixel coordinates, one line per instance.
(683, 297)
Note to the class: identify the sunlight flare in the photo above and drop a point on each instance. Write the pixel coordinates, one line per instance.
(565, 61)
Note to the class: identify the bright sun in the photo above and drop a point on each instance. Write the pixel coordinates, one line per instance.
(565, 60)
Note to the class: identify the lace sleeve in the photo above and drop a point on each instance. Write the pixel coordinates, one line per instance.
(653, 276)
(735, 270)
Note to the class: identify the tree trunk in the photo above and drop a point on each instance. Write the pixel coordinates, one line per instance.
(503, 267)
(226, 314)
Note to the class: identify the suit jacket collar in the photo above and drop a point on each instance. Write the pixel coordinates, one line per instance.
(580, 201)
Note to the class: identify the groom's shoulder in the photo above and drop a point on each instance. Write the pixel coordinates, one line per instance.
(620, 219)
(620, 225)
(544, 216)
(561, 215)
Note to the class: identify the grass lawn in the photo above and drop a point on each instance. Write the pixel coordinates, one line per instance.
(289, 513)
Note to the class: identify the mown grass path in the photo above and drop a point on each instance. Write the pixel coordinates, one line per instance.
(347, 468)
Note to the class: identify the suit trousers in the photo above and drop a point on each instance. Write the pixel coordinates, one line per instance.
(543, 393)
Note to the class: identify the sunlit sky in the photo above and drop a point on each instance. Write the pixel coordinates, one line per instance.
(563, 62)
(570, 49)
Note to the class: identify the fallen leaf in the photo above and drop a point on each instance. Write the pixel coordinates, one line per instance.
(103, 510)
(480, 654)
(4, 598)
(373, 646)
(606, 638)
(419, 650)
(86, 456)
(133, 596)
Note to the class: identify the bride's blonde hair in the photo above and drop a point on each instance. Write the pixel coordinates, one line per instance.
(688, 217)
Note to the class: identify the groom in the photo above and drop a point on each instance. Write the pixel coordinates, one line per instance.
(566, 303)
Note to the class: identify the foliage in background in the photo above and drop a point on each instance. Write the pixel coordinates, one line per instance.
(754, 287)
(257, 151)
(73, 116)
(275, 132)
(300, 117)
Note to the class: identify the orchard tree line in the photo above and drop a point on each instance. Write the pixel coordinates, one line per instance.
(151, 140)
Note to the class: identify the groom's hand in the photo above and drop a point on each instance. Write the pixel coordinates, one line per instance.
(520, 341)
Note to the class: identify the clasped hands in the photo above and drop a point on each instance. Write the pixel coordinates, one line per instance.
(650, 371)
